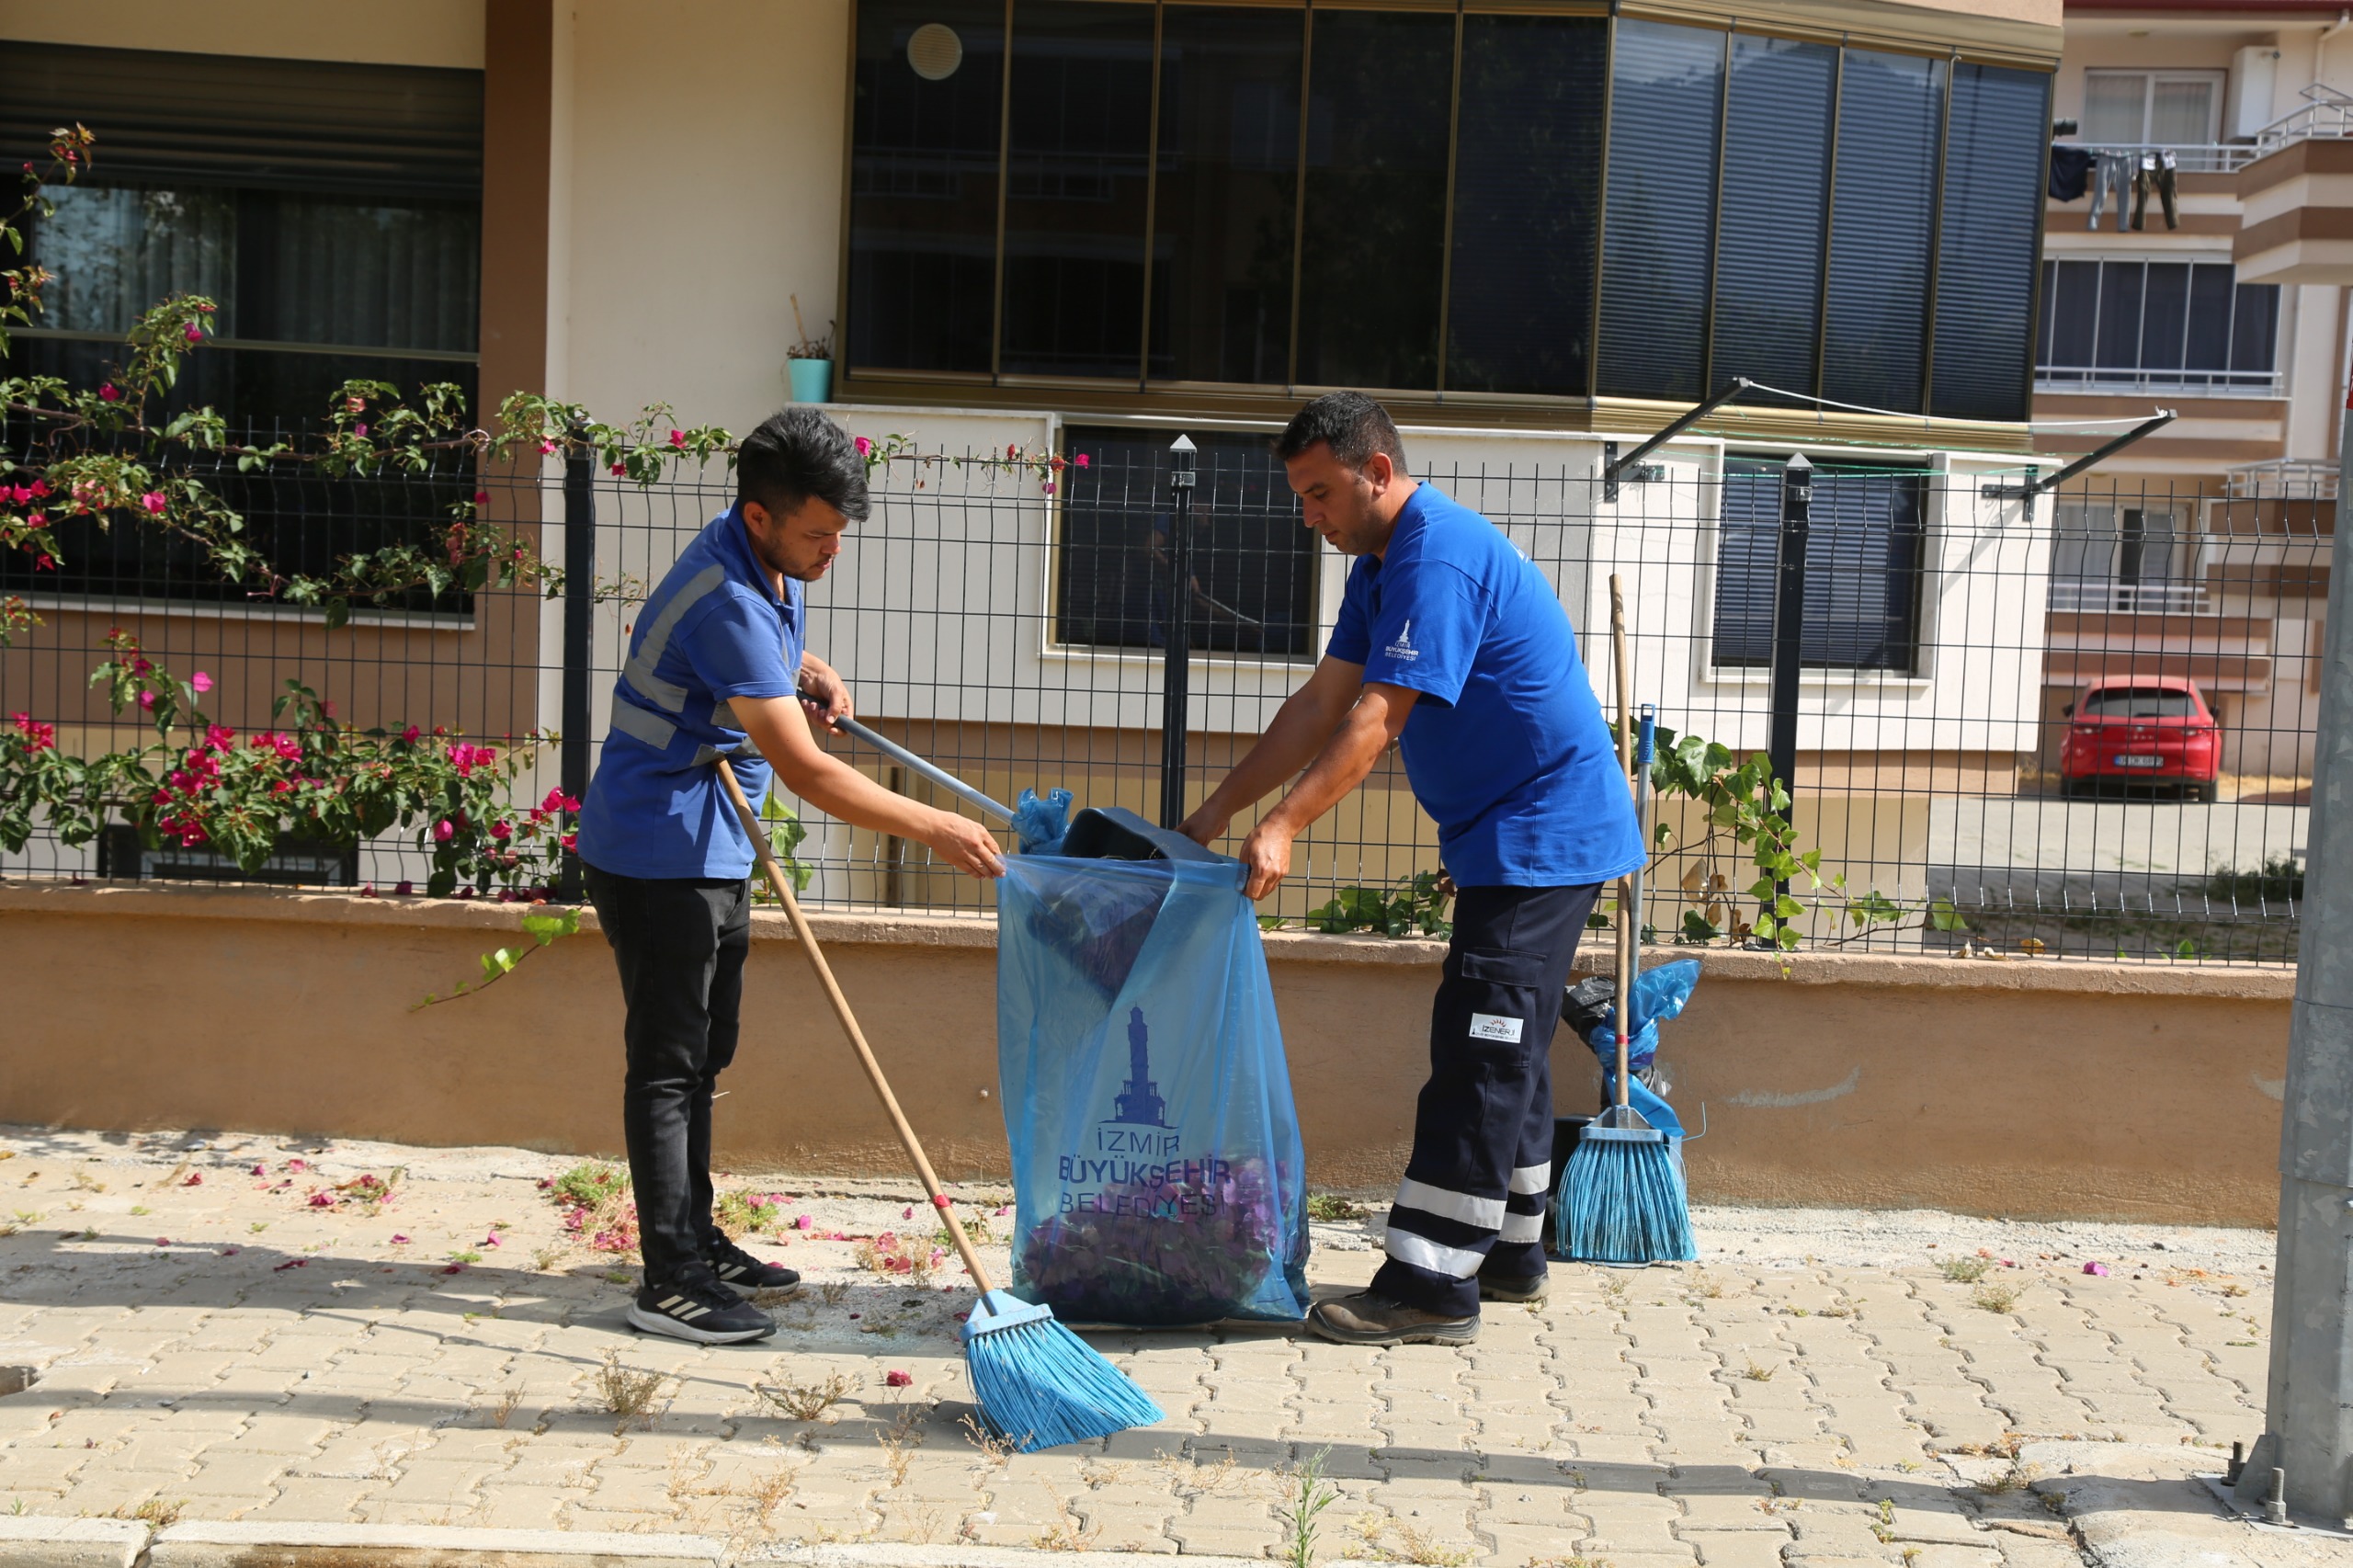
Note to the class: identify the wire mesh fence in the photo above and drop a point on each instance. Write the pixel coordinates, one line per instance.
(2066, 725)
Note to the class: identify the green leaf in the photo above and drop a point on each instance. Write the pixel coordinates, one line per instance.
(1943, 917)
(1697, 928)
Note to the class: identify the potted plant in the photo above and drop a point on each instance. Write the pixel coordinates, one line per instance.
(809, 363)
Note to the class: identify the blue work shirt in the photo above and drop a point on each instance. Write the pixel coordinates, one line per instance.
(713, 630)
(1505, 747)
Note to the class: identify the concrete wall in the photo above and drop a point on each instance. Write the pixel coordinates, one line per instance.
(2022, 1088)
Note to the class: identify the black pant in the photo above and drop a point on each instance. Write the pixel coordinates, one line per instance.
(1474, 1191)
(679, 943)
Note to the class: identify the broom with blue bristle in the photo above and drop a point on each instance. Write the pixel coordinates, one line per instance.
(1623, 1196)
(1037, 1384)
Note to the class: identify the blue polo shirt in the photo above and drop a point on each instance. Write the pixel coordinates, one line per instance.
(1505, 749)
(713, 629)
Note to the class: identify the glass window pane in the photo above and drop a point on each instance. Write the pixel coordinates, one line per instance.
(2254, 333)
(1254, 566)
(2182, 111)
(1372, 265)
(116, 251)
(1658, 237)
(1776, 171)
(1994, 174)
(2116, 107)
(2210, 302)
(1862, 568)
(1081, 128)
(1229, 176)
(2120, 317)
(1890, 108)
(1526, 183)
(2165, 313)
(2073, 316)
(923, 184)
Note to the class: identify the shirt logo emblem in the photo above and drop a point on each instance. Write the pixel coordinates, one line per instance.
(1403, 648)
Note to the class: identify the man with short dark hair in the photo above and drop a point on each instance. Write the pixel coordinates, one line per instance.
(717, 668)
(1452, 644)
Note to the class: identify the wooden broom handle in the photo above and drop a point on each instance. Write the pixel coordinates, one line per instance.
(1627, 914)
(808, 939)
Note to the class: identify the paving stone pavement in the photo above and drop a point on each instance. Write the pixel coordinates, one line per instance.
(230, 1327)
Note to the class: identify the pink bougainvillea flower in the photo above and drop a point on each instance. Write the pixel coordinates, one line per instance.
(502, 831)
(195, 1178)
(491, 1240)
(202, 681)
(289, 1263)
(546, 447)
(443, 830)
(481, 496)
(322, 1200)
(193, 333)
(231, 1252)
(399, 1240)
(261, 1170)
(1050, 488)
(1080, 460)
(454, 1269)
(153, 502)
(678, 440)
(897, 1380)
(619, 469)
(410, 734)
(558, 801)
(298, 1165)
(863, 446)
(804, 1222)
(2099, 1268)
(146, 699)
(162, 1241)
(110, 392)
(360, 429)
(906, 1213)
(404, 890)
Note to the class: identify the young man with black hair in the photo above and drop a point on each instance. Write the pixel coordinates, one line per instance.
(1451, 643)
(717, 667)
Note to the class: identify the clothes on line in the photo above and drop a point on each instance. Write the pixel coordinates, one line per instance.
(2113, 174)
(2155, 169)
(2071, 169)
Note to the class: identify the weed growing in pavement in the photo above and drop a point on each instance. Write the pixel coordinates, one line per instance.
(1964, 1270)
(1413, 1544)
(740, 1212)
(84, 1182)
(504, 1411)
(1568, 1563)
(833, 1291)
(1704, 1285)
(1306, 1495)
(1065, 1533)
(141, 1208)
(1331, 1206)
(904, 1256)
(619, 1277)
(1884, 1526)
(596, 1206)
(899, 1443)
(805, 1402)
(544, 1259)
(1996, 1298)
(995, 1450)
(629, 1393)
(464, 1255)
(1757, 1372)
(159, 1512)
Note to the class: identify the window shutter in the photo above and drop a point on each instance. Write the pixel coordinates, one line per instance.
(300, 125)
(1862, 564)
(1985, 265)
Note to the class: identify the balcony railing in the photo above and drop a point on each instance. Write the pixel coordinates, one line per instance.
(2328, 116)
(2109, 595)
(2190, 158)
(2204, 383)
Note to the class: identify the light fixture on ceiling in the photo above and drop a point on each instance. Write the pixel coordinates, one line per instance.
(935, 51)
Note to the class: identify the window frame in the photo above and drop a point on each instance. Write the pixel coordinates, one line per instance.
(2225, 382)
(1145, 393)
(2215, 77)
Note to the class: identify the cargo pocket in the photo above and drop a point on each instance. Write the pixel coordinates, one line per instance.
(1491, 1007)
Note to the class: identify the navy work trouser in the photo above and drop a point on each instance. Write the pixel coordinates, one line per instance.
(1474, 1191)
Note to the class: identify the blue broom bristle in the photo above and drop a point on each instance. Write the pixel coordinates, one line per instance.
(1038, 1385)
(1623, 1200)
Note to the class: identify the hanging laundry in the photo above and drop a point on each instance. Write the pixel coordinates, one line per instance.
(2155, 169)
(2071, 169)
(2113, 176)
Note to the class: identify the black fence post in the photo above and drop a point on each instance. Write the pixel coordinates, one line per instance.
(579, 638)
(1789, 623)
(1176, 633)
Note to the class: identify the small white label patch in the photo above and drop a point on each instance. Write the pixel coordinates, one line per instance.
(1487, 1026)
(1403, 648)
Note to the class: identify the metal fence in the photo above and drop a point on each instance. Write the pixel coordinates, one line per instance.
(2064, 725)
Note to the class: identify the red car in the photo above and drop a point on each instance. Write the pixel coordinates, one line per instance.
(2141, 730)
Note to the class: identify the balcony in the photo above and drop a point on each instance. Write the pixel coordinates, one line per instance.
(2190, 158)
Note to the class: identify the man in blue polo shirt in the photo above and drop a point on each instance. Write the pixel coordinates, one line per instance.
(1452, 644)
(717, 668)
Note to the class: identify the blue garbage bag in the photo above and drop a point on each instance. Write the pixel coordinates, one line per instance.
(1659, 994)
(1157, 1167)
(1039, 825)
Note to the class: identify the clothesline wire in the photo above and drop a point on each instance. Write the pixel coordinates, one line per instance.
(1899, 413)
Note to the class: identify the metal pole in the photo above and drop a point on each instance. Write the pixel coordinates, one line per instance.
(2308, 1416)
(579, 639)
(1788, 623)
(1178, 633)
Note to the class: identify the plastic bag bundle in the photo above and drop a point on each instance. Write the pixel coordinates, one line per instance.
(1156, 1158)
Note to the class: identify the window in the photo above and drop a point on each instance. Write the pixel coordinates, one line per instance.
(2110, 558)
(2164, 325)
(333, 212)
(1527, 196)
(1863, 567)
(1412, 199)
(2137, 702)
(923, 178)
(1665, 99)
(2152, 107)
(1882, 223)
(1253, 565)
(1777, 169)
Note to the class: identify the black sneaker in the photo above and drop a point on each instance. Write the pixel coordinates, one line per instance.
(1367, 1318)
(740, 1269)
(697, 1308)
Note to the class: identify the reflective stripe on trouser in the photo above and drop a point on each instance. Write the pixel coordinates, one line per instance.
(1475, 1189)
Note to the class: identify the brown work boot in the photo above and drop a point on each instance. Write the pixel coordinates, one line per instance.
(1367, 1318)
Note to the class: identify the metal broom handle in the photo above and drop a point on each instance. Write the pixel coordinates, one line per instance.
(808, 940)
(1627, 914)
